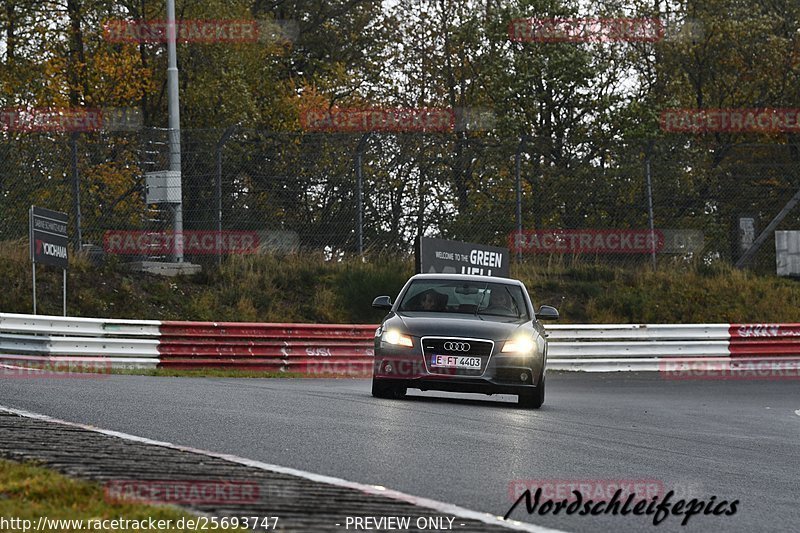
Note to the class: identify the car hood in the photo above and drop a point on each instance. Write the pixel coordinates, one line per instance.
(470, 326)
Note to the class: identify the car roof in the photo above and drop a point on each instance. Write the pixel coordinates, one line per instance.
(468, 277)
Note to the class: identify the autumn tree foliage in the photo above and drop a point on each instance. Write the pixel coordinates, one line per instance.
(579, 116)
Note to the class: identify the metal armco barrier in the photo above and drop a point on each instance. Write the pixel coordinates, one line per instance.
(67, 342)
(332, 349)
(764, 340)
(313, 349)
(634, 347)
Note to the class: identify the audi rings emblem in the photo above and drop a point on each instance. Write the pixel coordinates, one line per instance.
(457, 346)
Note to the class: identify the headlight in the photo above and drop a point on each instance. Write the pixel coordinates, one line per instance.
(395, 337)
(522, 344)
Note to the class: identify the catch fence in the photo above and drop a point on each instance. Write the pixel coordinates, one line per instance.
(628, 202)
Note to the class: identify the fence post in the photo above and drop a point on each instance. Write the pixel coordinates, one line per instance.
(360, 192)
(518, 178)
(76, 190)
(218, 183)
(648, 156)
(173, 110)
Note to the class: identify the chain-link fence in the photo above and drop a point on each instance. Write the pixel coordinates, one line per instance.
(667, 201)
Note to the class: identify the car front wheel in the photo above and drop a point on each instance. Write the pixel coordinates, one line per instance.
(533, 399)
(387, 389)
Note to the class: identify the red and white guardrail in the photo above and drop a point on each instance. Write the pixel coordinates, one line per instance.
(671, 347)
(302, 348)
(323, 349)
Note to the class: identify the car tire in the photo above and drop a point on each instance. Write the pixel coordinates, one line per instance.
(387, 389)
(534, 399)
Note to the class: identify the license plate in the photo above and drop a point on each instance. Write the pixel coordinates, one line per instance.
(456, 361)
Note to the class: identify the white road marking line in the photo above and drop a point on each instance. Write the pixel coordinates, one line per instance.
(797, 412)
(375, 490)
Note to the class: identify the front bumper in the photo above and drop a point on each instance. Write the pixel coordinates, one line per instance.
(503, 374)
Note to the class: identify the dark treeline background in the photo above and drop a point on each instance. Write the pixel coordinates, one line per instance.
(587, 115)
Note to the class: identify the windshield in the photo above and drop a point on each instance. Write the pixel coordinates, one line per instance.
(468, 297)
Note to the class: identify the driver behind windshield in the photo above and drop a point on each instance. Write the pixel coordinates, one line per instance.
(430, 300)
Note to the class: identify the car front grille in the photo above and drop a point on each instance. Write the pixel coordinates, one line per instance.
(458, 347)
(449, 346)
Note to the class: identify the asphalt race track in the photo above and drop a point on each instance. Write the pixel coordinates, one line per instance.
(736, 440)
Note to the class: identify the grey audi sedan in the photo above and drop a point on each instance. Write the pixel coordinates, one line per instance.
(461, 333)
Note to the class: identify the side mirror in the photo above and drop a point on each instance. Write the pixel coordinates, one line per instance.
(382, 302)
(547, 312)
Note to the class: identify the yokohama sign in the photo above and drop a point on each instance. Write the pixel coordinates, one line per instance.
(587, 241)
(48, 237)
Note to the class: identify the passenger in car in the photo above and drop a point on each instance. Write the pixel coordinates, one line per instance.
(500, 303)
